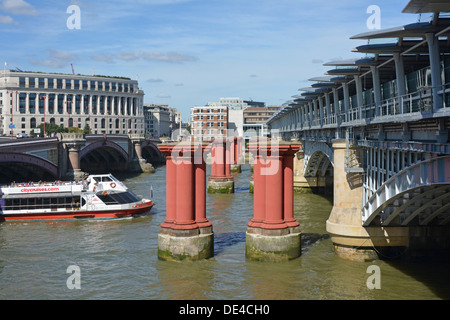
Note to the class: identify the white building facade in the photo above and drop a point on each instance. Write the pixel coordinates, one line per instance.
(107, 105)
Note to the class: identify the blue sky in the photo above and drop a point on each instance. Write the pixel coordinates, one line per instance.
(190, 52)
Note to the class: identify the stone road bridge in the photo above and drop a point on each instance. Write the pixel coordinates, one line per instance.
(71, 155)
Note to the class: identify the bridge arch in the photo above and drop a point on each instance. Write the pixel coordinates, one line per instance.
(103, 156)
(151, 153)
(417, 195)
(318, 157)
(20, 166)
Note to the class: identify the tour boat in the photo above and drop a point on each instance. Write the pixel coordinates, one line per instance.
(96, 197)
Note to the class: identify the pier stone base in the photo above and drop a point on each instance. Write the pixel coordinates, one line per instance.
(225, 185)
(272, 245)
(75, 175)
(185, 245)
(236, 168)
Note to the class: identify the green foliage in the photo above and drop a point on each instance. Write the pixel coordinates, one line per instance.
(54, 128)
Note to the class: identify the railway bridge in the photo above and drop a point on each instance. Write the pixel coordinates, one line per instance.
(72, 155)
(375, 128)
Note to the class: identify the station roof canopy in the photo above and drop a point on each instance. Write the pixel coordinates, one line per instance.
(412, 30)
(328, 79)
(427, 6)
(349, 62)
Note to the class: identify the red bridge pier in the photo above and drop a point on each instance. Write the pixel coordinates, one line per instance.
(186, 233)
(273, 234)
(221, 180)
(237, 157)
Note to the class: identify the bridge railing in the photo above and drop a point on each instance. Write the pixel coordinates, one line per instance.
(419, 101)
(415, 103)
(408, 104)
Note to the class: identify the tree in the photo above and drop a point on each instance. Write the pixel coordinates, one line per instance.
(49, 129)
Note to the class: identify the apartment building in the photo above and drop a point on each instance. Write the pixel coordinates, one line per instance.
(209, 122)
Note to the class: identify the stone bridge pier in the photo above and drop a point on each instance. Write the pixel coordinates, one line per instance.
(351, 240)
(138, 163)
(80, 154)
(70, 164)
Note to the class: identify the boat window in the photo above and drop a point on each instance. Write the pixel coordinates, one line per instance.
(41, 203)
(118, 198)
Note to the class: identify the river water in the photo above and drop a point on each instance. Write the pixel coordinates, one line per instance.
(117, 259)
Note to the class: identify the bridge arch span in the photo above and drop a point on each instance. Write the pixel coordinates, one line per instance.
(103, 156)
(20, 166)
(417, 195)
(316, 164)
(318, 157)
(151, 152)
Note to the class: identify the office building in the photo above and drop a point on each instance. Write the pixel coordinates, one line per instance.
(110, 105)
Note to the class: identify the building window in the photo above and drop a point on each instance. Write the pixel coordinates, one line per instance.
(68, 84)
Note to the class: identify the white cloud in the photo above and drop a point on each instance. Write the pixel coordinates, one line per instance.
(18, 7)
(56, 59)
(7, 20)
(127, 56)
(163, 95)
(169, 57)
(103, 58)
(153, 80)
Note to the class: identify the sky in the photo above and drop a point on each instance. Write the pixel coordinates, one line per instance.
(187, 53)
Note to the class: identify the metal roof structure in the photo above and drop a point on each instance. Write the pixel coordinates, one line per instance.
(407, 40)
(427, 6)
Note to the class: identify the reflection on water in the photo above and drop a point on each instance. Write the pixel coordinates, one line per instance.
(118, 259)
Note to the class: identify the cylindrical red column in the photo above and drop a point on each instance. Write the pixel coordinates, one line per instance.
(185, 196)
(228, 161)
(274, 199)
(289, 191)
(213, 160)
(200, 195)
(259, 193)
(171, 191)
(219, 159)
